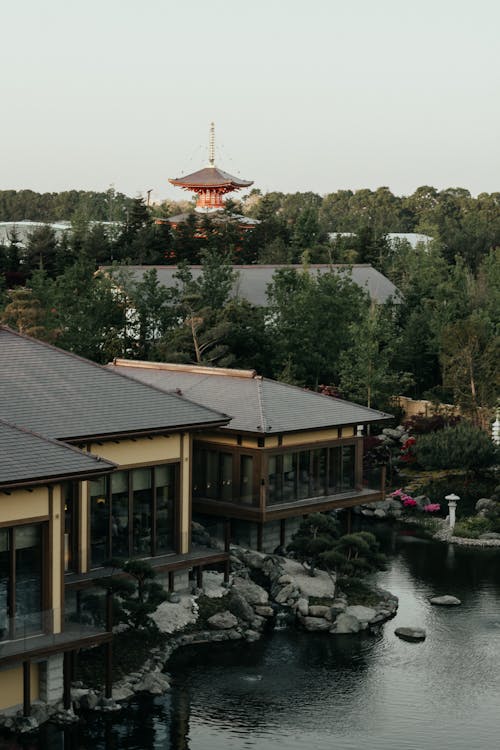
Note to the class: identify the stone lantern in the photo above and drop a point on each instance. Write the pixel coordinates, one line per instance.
(452, 507)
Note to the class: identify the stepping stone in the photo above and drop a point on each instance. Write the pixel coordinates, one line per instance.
(445, 601)
(411, 634)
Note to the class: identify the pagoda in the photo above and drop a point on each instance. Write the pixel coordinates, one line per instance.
(210, 183)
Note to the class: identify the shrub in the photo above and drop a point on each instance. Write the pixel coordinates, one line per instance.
(472, 527)
(420, 425)
(461, 447)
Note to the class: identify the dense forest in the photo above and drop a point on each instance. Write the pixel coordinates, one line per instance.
(441, 339)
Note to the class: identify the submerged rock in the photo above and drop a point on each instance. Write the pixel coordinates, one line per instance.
(346, 624)
(445, 601)
(411, 634)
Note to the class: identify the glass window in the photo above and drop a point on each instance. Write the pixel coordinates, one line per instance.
(246, 479)
(211, 474)
(225, 477)
(28, 585)
(5, 578)
(120, 514)
(99, 521)
(166, 483)
(318, 479)
(334, 471)
(142, 499)
(304, 475)
(70, 503)
(348, 466)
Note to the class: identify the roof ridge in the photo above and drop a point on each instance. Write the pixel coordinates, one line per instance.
(179, 367)
(260, 401)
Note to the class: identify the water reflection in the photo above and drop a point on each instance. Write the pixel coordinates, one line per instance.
(295, 690)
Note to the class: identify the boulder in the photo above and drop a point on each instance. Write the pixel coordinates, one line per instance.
(223, 620)
(411, 634)
(315, 624)
(490, 535)
(346, 623)
(485, 504)
(303, 606)
(287, 592)
(154, 683)
(241, 608)
(363, 614)
(264, 611)
(250, 591)
(380, 513)
(89, 701)
(122, 693)
(251, 635)
(445, 601)
(319, 610)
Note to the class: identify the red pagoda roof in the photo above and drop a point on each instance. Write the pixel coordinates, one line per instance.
(210, 177)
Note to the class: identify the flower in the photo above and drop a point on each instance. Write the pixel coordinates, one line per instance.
(432, 508)
(409, 502)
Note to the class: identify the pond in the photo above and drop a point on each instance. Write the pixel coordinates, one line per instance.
(295, 690)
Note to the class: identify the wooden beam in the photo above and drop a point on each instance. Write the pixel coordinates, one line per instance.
(26, 688)
(67, 680)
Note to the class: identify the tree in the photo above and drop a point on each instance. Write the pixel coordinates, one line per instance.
(137, 592)
(25, 313)
(367, 372)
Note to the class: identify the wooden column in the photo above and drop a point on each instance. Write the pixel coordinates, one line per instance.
(67, 680)
(171, 581)
(227, 544)
(108, 687)
(26, 688)
(260, 530)
(282, 532)
(349, 520)
(199, 576)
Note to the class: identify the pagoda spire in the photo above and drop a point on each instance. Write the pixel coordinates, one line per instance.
(211, 146)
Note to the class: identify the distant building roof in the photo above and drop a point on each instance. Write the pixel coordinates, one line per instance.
(60, 395)
(210, 177)
(24, 229)
(252, 281)
(29, 458)
(411, 237)
(257, 404)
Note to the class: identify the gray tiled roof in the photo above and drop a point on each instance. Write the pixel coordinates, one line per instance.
(252, 281)
(256, 404)
(26, 457)
(60, 395)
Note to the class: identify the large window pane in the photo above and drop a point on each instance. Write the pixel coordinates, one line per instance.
(304, 475)
(335, 471)
(70, 504)
(318, 472)
(348, 466)
(120, 514)
(142, 498)
(246, 479)
(99, 521)
(166, 484)
(28, 561)
(225, 477)
(211, 474)
(5, 578)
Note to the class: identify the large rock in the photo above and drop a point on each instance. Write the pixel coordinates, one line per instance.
(393, 434)
(320, 610)
(287, 592)
(445, 601)
(122, 693)
(485, 505)
(223, 621)
(303, 606)
(154, 683)
(315, 624)
(411, 634)
(241, 608)
(346, 624)
(363, 614)
(250, 591)
(264, 611)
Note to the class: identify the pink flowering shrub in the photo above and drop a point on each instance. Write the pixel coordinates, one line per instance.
(432, 508)
(407, 500)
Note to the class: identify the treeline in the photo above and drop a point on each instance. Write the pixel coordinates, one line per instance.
(290, 224)
(441, 340)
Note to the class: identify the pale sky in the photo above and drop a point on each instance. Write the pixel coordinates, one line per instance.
(319, 95)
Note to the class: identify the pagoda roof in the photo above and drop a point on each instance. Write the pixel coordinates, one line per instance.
(210, 177)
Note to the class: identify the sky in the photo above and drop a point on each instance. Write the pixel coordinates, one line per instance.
(319, 95)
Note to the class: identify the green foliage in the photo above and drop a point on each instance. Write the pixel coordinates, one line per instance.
(317, 544)
(136, 594)
(461, 447)
(472, 527)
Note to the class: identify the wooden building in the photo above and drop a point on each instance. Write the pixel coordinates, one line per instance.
(285, 453)
(93, 465)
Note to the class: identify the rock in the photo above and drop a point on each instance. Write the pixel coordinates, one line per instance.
(346, 623)
(338, 606)
(319, 610)
(122, 693)
(257, 622)
(285, 579)
(379, 513)
(223, 621)
(174, 598)
(411, 634)
(250, 591)
(445, 601)
(315, 624)
(89, 701)
(241, 608)
(485, 504)
(26, 724)
(303, 606)
(252, 635)
(367, 512)
(264, 611)
(393, 434)
(254, 559)
(490, 535)
(154, 683)
(285, 593)
(363, 614)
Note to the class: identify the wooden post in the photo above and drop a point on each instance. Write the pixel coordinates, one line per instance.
(282, 532)
(199, 576)
(67, 680)
(227, 545)
(382, 480)
(349, 520)
(108, 687)
(259, 536)
(171, 581)
(26, 688)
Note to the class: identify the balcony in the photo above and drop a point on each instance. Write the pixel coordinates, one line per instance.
(31, 635)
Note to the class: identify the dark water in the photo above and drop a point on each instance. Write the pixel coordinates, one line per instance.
(293, 690)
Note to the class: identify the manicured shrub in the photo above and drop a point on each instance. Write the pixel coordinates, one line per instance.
(473, 527)
(461, 447)
(420, 425)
